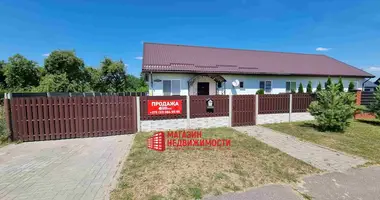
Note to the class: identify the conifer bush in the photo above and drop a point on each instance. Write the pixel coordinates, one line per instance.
(333, 109)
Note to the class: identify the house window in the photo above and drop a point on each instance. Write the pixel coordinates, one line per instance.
(266, 86)
(367, 89)
(291, 86)
(241, 84)
(171, 87)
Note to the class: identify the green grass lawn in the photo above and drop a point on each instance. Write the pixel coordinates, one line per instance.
(362, 138)
(191, 174)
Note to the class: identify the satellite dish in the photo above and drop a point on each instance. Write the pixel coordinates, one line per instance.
(235, 83)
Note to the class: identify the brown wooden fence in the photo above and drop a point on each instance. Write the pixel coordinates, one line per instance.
(243, 110)
(367, 98)
(198, 106)
(301, 102)
(49, 118)
(274, 103)
(144, 108)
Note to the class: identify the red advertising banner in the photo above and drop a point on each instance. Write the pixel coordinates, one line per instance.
(164, 107)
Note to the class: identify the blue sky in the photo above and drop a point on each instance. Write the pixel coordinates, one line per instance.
(348, 30)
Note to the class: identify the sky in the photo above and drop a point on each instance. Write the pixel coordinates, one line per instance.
(348, 30)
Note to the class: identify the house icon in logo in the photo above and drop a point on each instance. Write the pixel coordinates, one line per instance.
(157, 141)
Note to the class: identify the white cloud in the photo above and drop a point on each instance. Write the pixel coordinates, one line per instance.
(139, 58)
(322, 49)
(45, 54)
(373, 68)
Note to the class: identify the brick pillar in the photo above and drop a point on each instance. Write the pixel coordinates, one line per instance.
(358, 97)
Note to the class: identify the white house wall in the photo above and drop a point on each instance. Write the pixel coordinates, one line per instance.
(251, 83)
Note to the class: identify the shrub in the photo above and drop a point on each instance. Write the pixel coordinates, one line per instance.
(4, 134)
(319, 87)
(261, 91)
(340, 85)
(328, 83)
(351, 87)
(309, 88)
(300, 88)
(375, 106)
(333, 109)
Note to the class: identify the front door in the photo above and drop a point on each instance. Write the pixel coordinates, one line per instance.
(203, 88)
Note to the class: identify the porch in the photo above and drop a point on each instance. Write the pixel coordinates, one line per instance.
(207, 84)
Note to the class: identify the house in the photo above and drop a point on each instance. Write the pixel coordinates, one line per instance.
(369, 86)
(195, 70)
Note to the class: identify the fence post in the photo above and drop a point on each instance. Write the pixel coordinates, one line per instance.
(230, 109)
(138, 114)
(187, 111)
(256, 107)
(290, 107)
(8, 114)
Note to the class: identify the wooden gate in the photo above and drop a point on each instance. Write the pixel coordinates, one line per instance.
(50, 118)
(243, 110)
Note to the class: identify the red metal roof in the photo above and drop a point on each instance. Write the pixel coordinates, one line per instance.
(196, 59)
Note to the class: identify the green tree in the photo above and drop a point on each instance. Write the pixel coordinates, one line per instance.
(300, 88)
(375, 106)
(328, 83)
(319, 87)
(340, 85)
(53, 83)
(2, 75)
(309, 88)
(112, 76)
(333, 109)
(21, 73)
(93, 77)
(62, 61)
(60, 83)
(134, 84)
(351, 87)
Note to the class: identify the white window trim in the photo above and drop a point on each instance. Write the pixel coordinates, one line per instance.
(271, 86)
(171, 86)
(290, 85)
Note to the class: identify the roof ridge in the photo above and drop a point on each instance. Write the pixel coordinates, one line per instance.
(227, 48)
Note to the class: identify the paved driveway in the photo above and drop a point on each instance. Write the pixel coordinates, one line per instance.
(62, 169)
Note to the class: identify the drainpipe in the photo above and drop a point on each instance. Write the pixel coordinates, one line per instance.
(151, 82)
(364, 83)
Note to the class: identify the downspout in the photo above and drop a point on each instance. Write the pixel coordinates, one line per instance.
(151, 82)
(364, 83)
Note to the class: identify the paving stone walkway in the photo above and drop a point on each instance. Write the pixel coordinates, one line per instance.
(62, 169)
(318, 156)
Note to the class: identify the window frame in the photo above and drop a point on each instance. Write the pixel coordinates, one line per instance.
(171, 86)
(295, 89)
(265, 83)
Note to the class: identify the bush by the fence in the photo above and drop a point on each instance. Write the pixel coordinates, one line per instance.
(333, 109)
(4, 133)
(261, 91)
(375, 106)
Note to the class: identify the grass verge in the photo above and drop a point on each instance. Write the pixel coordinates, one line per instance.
(361, 138)
(191, 174)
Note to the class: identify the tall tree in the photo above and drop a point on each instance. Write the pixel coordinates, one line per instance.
(2, 75)
(62, 61)
(112, 76)
(21, 73)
